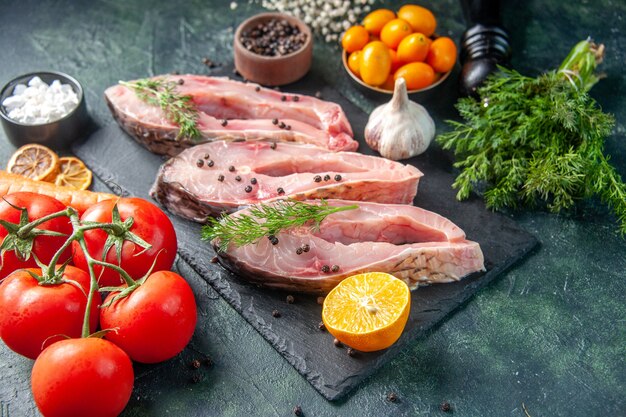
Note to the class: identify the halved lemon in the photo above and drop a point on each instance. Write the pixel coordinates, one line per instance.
(73, 173)
(367, 312)
(35, 161)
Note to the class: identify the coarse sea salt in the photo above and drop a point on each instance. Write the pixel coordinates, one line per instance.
(38, 103)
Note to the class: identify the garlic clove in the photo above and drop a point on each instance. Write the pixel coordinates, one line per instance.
(401, 128)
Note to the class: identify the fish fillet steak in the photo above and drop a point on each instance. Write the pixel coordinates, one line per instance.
(413, 244)
(212, 178)
(232, 110)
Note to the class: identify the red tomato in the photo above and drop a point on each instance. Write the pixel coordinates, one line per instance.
(30, 314)
(156, 321)
(82, 377)
(150, 223)
(44, 247)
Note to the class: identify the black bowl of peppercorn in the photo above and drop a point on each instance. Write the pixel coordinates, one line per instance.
(273, 49)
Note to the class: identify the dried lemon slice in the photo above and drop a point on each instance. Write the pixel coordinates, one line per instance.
(73, 173)
(367, 311)
(35, 161)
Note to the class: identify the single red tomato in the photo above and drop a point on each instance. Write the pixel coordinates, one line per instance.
(150, 224)
(33, 316)
(156, 321)
(44, 247)
(82, 377)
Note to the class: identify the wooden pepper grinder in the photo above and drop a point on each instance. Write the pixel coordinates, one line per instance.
(484, 45)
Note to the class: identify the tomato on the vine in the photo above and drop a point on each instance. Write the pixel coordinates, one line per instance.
(150, 224)
(33, 316)
(43, 247)
(156, 321)
(82, 377)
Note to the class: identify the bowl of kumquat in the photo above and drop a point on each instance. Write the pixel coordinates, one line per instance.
(388, 45)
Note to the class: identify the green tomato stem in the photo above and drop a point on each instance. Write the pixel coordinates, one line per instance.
(26, 229)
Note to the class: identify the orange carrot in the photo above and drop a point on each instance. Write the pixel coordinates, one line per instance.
(81, 200)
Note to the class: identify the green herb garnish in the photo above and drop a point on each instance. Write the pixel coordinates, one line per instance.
(537, 139)
(178, 108)
(266, 220)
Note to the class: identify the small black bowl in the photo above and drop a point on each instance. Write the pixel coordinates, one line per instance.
(56, 135)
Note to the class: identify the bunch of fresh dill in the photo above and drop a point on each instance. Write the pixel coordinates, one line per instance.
(537, 139)
(178, 108)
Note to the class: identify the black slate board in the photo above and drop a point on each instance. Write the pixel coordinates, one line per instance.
(129, 169)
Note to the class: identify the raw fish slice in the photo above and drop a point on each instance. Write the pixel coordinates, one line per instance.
(249, 114)
(189, 184)
(415, 245)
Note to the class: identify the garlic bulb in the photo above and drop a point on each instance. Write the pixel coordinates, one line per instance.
(401, 128)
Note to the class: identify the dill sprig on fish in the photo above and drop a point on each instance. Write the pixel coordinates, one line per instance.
(178, 108)
(266, 221)
(540, 139)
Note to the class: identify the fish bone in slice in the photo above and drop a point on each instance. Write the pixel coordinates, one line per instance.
(232, 110)
(212, 178)
(416, 245)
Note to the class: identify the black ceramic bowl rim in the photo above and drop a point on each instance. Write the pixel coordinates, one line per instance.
(344, 58)
(64, 78)
(267, 16)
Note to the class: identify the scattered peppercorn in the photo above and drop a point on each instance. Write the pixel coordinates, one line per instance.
(253, 181)
(200, 163)
(337, 177)
(335, 268)
(320, 300)
(288, 127)
(318, 94)
(337, 343)
(231, 168)
(283, 98)
(238, 178)
(282, 125)
(276, 313)
(181, 81)
(351, 352)
(273, 145)
(273, 239)
(210, 163)
(296, 98)
(207, 156)
(214, 260)
(306, 247)
(208, 362)
(317, 178)
(195, 378)
(299, 251)
(297, 410)
(206, 61)
(392, 397)
(280, 191)
(220, 177)
(326, 177)
(321, 326)
(248, 189)
(257, 88)
(195, 364)
(445, 407)
(290, 299)
(224, 122)
(325, 269)
(275, 121)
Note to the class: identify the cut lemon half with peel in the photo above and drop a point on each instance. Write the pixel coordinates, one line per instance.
(73, 173)
(35, 161)
(367, 312)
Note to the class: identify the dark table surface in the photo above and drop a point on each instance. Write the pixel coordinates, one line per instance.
(548, 338)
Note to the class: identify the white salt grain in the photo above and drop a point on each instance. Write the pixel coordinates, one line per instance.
(39, 103)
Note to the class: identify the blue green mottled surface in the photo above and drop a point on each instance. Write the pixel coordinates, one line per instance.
(549, 335)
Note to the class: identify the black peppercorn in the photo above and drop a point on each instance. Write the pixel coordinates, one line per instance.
(321, 326)
(288, 127)
(335, 268)
(210, 163)
(445, 407)
(276, 313)
(283, 98)
(299, 251)
(317, 178)
(208, 362)
(273, 239)
(351, 352)
(392, 397)
(290, 299)
(224, 122)
(326, 177)
(282, 125)
(238, 178)
(195, 364)
(231, 168)
(337, 343)
(207, 156)
(253, 181)
(196, 378)
(280, 191)
(297, 410)
(220, 178)
(337, 177)
(275, 121)
(257, 88)
(306, 247)
(181, 81)
(325, 269)
(296, 98)
(248, 189)
(273, 145)
(200, 163)
(318, 94)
